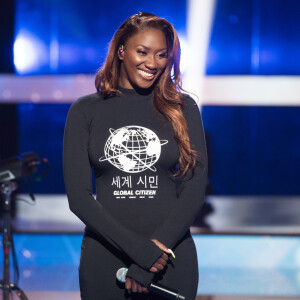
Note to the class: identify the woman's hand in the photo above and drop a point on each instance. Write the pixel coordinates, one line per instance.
(159, 265)
(135, 286)
(162, 261)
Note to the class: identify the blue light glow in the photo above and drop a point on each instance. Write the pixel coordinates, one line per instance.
(29, 53)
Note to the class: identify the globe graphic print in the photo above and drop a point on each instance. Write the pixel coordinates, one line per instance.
(132, 149)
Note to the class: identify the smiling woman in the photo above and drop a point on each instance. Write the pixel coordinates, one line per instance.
(144, 59)
(144, 139)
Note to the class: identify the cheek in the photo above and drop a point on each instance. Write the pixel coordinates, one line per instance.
(163, 66)
(134, 60)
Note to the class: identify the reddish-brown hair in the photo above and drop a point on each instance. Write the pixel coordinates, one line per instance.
(166, 93)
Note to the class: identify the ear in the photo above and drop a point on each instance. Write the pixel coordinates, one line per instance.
(121, 52)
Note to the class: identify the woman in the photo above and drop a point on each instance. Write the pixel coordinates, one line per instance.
(144, 140)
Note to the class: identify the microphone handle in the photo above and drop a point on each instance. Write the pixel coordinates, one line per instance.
(158, 289)
(166, 292)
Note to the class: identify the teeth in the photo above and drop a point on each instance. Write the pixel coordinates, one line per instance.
(145, 73)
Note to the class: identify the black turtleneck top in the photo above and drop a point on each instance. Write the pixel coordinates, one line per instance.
(132, 150)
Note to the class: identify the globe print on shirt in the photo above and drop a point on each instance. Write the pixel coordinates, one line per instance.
(132, 149)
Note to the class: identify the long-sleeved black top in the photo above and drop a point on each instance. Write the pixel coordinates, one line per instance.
(132, 150)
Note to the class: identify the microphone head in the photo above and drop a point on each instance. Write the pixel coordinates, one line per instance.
(121, 274)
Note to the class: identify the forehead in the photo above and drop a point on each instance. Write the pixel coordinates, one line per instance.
(151, 38)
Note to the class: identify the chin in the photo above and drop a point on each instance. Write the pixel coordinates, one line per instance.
(145, 85)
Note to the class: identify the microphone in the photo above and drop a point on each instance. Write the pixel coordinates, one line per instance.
(157, 289)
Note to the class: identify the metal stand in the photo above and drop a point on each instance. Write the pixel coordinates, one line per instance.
(6, 190)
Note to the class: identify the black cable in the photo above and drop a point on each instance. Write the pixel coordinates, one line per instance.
(15, 261)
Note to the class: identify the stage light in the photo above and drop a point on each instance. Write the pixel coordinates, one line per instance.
(30, 53)
(184, 55)
(199, 24)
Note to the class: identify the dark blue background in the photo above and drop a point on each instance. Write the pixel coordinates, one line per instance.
(255, 37)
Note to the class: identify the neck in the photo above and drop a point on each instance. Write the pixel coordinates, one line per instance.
(143, 92)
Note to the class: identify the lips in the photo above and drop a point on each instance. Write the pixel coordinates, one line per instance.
(146, 75)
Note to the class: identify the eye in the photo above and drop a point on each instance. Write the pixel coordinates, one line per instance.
(163, 55)
(141, 52)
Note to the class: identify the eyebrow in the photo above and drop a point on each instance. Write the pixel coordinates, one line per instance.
(147, 48)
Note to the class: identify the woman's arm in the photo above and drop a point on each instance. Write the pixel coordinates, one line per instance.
(78, 183)
(191, 198)
(189, 202)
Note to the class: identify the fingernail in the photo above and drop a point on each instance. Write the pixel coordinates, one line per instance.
(172, 253)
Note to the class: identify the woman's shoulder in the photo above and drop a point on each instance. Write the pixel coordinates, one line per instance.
(189, 103)
(191, 111)
(87, 102)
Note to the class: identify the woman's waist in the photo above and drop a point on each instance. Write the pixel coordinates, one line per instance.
(140, 215)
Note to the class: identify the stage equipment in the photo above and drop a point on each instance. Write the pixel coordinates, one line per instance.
(10, 170)
(19, 166)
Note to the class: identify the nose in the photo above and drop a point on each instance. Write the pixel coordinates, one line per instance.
(151, 62)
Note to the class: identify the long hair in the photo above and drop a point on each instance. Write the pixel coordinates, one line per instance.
(167, 97)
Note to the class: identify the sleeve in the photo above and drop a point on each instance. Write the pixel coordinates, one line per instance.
(78, 183)
(191, 198)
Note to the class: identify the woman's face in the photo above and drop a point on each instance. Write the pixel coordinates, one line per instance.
(143, 59)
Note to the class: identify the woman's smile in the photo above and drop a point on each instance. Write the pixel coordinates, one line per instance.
(146, 74)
